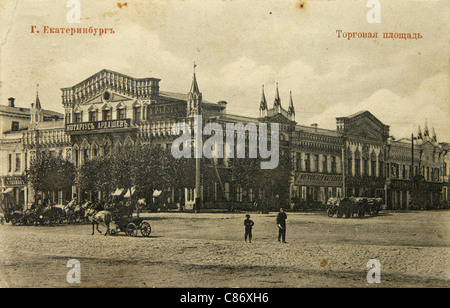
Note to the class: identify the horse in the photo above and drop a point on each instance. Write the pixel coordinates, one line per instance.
(75, 211)
(99, 217)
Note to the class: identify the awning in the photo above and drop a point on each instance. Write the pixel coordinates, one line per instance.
(7, 190)
(118, 192)
(130, 192)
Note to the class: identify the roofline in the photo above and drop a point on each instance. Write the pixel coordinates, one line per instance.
(111, 71)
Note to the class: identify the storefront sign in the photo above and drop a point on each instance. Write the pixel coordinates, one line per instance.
(99, 125)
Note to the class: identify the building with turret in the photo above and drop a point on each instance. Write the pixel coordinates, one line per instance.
(24, 132)
(111, 111)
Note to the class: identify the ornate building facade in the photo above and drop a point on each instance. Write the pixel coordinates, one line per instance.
(25, 132)
(109, 111)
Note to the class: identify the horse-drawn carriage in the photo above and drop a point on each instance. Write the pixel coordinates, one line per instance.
(41, 215)
(14, 217)
(340, 207)
(117, 220)
(353, 206)
(131, 226)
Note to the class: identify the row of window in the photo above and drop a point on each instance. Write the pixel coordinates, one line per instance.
(315, 193)
(121, 114)
(15, 162)
(313, 163)
(405, 172)
(361, 167)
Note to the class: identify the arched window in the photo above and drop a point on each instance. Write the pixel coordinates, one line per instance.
(121, 112)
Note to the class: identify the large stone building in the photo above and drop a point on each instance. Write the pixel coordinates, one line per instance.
(109, 111)
(24, 132)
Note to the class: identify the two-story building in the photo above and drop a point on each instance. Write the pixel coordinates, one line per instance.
(24, 132)
(110, 110)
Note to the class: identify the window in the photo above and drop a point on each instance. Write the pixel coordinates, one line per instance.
(298, 163)
(137, 114)
(365, 167)
(238, 194)
(14, 126)
(307, 163)
(374, 167)
(107, 115)
(93, 116)
(10, 162)
(357, 165)
(77, 158)
(106, 149)
(121, 114)
(325, 164)
(94, 152)
(316, 163)
(86, 154)
(78, 117)
(333, 164)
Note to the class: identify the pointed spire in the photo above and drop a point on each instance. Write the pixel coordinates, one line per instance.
(425, 130)
(277, 101)
(263, 104)
(419, 133)
(194, 86)
(194, 97)
(291, 109)
(38, 102)
(433, 134)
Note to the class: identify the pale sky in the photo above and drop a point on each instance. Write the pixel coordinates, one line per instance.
(239, 46)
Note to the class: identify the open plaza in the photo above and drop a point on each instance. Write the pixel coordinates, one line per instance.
(208, 250)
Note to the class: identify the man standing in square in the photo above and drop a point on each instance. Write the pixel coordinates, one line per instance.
(281, 224)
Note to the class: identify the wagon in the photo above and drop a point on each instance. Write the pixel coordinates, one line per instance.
(131, 226)
(340, 207)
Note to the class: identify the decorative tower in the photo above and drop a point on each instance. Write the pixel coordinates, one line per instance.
(419, 133)
(277, 101)
(195, 111)
(426, 133)
(194, 97)
(291, 110)
(37, 113)
(263, 105)
(433, 135)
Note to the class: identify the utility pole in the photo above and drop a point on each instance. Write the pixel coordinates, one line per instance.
(344, 194)
(196, 98)
(412, 156)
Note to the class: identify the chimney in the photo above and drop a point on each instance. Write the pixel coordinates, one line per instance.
(315, 126)
(11, 101)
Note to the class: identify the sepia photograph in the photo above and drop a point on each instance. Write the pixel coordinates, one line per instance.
(224, 149)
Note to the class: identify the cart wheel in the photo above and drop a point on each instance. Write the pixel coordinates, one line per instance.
(30, 221)
(339, 213)
(146, 229)
(113, 232)
(131, 229)
(330, 212)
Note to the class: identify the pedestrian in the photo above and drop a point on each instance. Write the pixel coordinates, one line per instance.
(281, 224)
(248, 223)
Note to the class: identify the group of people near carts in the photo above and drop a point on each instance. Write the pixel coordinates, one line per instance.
(44, 212)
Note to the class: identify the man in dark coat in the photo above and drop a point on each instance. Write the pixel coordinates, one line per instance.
(281, 224)
(248, 223)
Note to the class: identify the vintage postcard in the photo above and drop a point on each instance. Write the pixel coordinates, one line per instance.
(266, 144)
